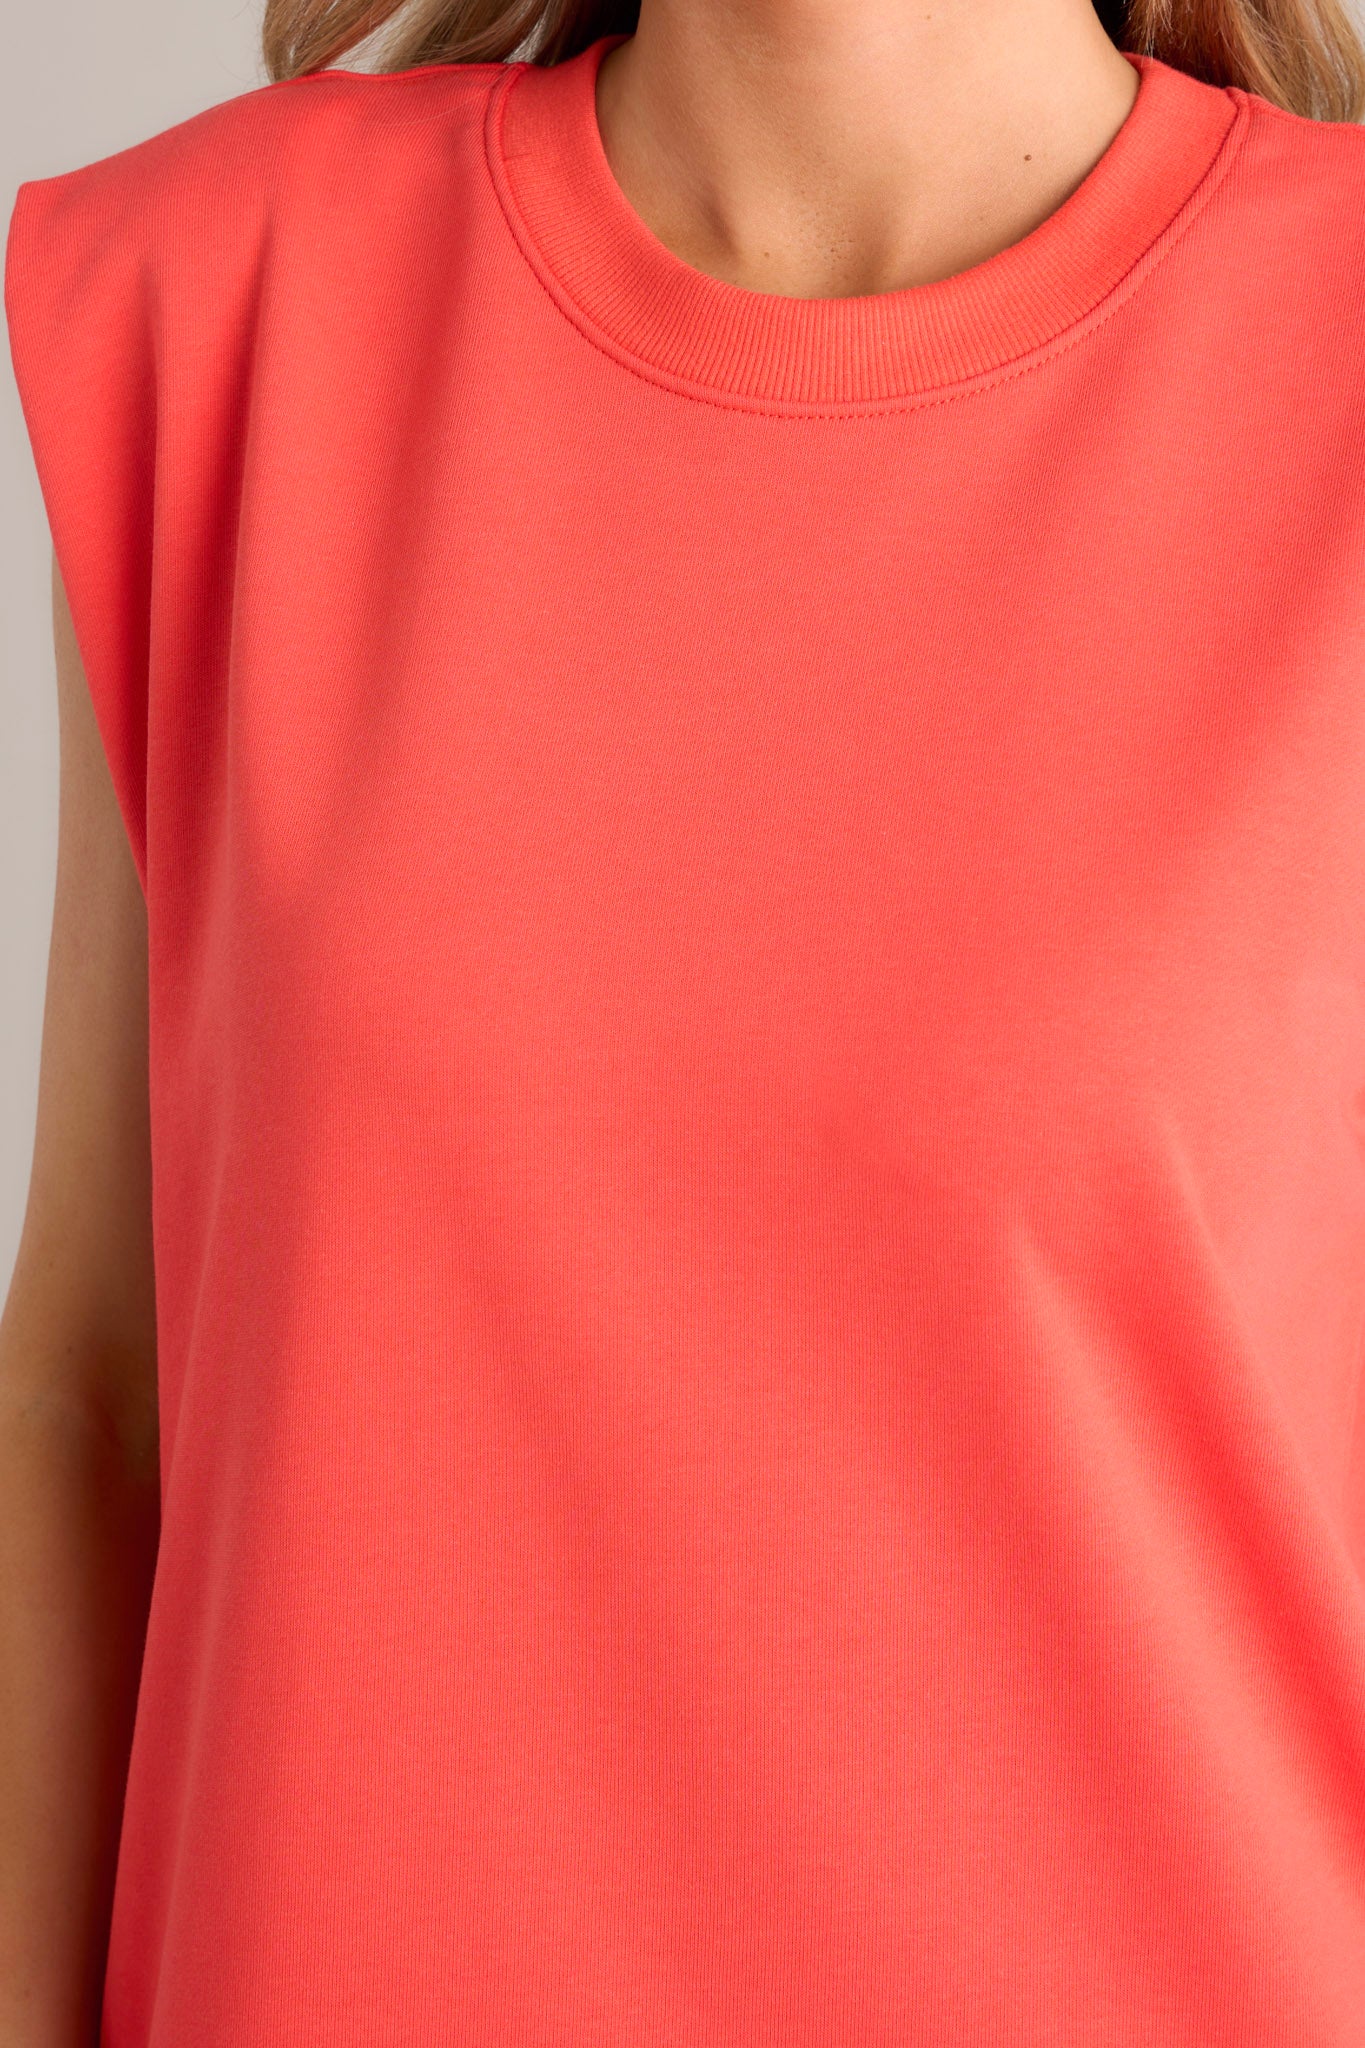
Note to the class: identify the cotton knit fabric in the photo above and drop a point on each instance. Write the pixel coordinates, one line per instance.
(757, 1034)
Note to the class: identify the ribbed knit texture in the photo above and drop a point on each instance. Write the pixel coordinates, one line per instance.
(757, 951)
(599, 257)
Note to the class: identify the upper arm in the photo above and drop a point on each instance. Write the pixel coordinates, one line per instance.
(81, 1309)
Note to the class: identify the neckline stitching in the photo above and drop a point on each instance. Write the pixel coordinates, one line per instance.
(1069, 336)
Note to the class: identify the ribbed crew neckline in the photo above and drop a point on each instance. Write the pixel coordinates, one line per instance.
(632, 295)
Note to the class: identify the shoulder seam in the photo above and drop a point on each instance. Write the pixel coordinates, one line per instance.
(1259, 106)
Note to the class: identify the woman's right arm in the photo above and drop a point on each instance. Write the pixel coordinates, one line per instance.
(79, 1491)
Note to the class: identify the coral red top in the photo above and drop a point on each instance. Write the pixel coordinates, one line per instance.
(757, 918)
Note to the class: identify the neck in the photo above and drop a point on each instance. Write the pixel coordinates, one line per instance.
(830, 148)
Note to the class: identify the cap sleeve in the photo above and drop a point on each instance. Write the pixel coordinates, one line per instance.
(79, 309)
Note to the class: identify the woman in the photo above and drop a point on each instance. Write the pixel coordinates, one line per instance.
(711, 930)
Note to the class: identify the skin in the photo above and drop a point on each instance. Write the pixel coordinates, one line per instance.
(814, 148)
(78, 1438)
(822, 148)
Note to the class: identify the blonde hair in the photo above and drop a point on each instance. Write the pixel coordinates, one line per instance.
(1304, 55)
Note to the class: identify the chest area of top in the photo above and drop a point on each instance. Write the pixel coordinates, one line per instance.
(963, 651)
(628, 691)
